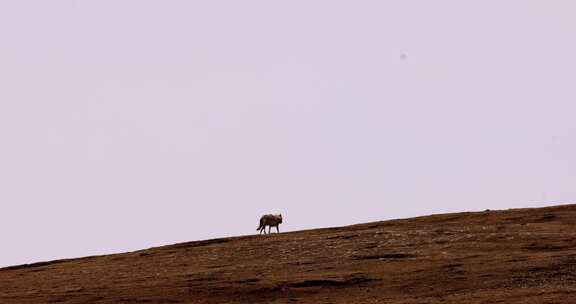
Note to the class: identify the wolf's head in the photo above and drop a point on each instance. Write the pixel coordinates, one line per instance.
(279, 217)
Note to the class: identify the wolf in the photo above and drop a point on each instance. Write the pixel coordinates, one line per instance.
(270, 220)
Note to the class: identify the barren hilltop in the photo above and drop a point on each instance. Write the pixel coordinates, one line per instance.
(511, 256)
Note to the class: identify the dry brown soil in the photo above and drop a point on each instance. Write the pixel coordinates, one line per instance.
(512, 256)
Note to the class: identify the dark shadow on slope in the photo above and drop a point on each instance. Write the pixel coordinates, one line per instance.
(388, 256)
(332, 283)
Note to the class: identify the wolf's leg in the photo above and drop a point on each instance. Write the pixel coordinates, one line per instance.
(277, 229)
(269, 228)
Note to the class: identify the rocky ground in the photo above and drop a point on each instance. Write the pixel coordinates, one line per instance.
(513, 256)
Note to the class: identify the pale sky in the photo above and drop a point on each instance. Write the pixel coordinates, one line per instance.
(131, 124)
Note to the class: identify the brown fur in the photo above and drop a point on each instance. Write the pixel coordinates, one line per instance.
(270, 220)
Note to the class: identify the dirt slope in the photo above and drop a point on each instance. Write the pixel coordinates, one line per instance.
(514, 256)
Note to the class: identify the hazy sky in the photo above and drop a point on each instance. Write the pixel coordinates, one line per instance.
(131, 124)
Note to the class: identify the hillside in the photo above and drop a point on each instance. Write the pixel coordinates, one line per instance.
(512, 256)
